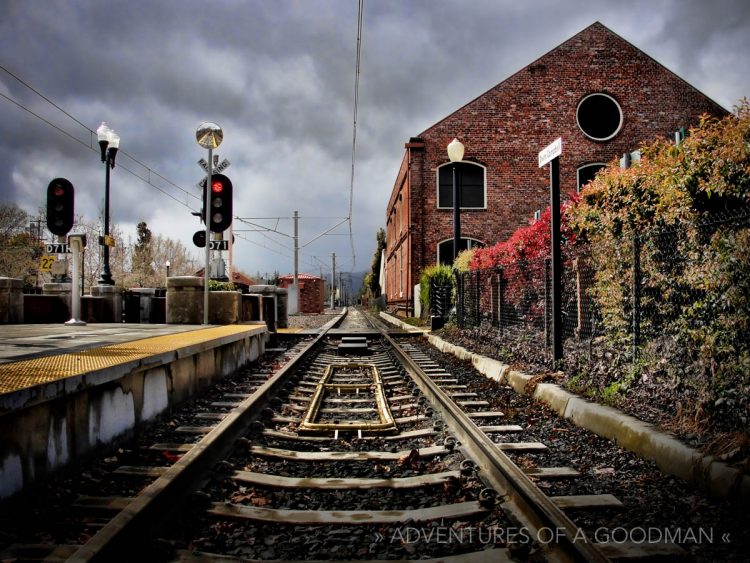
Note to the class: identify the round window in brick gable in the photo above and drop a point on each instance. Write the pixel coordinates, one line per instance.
(599, 116)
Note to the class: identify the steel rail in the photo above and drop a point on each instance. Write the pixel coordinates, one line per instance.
(528, 503)
(114, 541)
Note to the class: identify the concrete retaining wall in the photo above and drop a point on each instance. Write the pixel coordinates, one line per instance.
(48, 427)
(11, 300)
(185, 300)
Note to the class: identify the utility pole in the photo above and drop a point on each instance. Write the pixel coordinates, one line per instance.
(296, 262)
(333, 282)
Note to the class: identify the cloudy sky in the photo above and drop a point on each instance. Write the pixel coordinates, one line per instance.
(278, 76)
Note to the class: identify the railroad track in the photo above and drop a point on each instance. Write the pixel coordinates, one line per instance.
(351, 445)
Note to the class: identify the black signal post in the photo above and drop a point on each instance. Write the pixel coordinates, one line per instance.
(60, 203)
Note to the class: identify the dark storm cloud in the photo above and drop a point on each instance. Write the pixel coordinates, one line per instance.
(279, 77)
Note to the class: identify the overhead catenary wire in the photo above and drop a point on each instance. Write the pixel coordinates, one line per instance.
(92, 145)
(360, 15)
(92, 135)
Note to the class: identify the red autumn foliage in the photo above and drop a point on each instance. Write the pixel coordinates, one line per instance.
(528, 244)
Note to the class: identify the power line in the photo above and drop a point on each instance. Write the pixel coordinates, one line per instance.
(150, 171)
(360, 13)
(92, 135)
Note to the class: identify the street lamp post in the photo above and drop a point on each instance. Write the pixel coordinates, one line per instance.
(168, 264)
(109, 142)
(456, 154)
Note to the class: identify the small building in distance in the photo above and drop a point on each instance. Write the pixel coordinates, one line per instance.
(311, 288)
(603, 96)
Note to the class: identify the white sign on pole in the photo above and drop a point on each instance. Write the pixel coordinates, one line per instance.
(553, 150)
(218, 169)
(58, 248)
(218, 244)
(223, 165)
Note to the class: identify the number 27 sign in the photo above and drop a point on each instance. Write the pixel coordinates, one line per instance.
(46, 262)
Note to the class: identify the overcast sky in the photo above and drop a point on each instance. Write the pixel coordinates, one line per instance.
(278, 76)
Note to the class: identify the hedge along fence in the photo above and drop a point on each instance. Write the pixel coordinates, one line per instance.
(435, 289)
(656, 270)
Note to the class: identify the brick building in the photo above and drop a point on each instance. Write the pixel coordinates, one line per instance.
(311, 290)
(600, 94)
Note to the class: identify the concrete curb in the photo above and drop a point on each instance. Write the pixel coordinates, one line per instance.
(401, 324)
(717, 479)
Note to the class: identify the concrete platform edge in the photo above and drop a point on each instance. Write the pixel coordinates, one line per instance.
(57, 423)
(716, 478)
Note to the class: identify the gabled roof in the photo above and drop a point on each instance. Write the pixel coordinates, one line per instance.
(594, 27)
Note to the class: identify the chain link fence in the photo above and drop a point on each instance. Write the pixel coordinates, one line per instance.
(664, 286)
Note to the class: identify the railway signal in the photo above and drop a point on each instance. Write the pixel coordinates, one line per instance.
(60, 203)
(220, 212)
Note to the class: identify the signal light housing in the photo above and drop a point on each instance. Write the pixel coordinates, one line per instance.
(220, 212)
(60, 206)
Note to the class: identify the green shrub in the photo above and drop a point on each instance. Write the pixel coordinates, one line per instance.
(695, 265)
(215, 285)
(433, 276)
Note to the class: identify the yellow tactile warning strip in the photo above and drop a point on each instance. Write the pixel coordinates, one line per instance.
(28, 373)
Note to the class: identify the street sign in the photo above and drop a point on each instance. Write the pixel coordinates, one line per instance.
(199, 240)
(218, 169)
(58, 248)
(107, 240)
(553, 150)
(45, 263)
(219, 245)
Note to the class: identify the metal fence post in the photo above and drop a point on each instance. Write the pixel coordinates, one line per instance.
(636, 295)
(478, 300)
(547, 291)
(500, 299)
(457, 277)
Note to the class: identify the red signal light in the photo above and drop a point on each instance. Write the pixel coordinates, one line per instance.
(219, 212)
(60, 204)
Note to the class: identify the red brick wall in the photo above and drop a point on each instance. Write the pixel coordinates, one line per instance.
(310, 293)
(505, 128)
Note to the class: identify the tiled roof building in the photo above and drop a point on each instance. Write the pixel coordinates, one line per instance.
(310, 292)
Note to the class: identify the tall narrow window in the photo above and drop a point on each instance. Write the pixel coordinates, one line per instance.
(470, 178)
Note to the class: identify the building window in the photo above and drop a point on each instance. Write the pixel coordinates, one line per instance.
(445, 248)
(586, 173)
(599, 116)
(470, 178)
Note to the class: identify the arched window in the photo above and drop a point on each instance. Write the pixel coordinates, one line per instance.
(470, 178)
(445, 248)
(586, 173)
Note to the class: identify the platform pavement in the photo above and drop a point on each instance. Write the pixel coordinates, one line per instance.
(27, 341)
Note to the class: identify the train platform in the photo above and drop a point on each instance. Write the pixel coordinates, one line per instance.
(67, 390)
(31, 355)
(29, 341)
